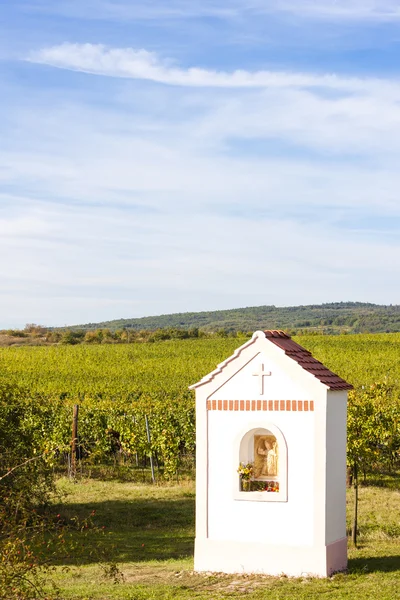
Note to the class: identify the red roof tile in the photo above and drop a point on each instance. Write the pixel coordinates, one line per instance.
(306, 360)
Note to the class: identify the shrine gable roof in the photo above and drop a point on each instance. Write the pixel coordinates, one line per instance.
(292, 350)
(306, 360)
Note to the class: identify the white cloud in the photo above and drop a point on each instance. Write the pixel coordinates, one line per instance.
(103, 160)
(198, 146)
(220, 190)
(328, 113)
(22, 227)
(120, 264)
(141, 64)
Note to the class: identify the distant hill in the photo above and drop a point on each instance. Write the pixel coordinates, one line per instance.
(337, 317)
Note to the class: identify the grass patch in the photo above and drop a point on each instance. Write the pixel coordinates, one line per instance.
(137, 522)
(149, 534)
(379, 513)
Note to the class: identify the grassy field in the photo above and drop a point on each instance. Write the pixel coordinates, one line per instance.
(149, 533)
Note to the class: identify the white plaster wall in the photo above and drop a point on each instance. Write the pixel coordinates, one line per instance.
(288, 381)
(320, 469)
(336, 416)
(277, 386)
(201, 464)
(256, 557)
(288, 523)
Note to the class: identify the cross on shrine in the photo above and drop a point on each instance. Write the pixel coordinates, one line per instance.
(261, 374)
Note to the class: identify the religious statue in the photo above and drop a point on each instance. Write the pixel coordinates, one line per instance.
(265, 456)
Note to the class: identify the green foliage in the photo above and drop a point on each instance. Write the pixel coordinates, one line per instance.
(373, 428)
(72, 337)
(32, 537)
(26, 484)
(116, 372)
(22, 424)
(362, 359)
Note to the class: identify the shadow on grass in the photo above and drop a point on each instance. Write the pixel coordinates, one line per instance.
(133, 531)
(151, 529)
(374, 564)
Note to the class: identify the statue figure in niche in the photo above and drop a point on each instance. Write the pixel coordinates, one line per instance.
(265, 456)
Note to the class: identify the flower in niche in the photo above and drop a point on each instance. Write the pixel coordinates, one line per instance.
(246, 471)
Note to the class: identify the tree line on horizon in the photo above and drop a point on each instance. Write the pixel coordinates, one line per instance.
(335, 317)
(328, 319)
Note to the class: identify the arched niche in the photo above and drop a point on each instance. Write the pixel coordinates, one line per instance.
(265, 448)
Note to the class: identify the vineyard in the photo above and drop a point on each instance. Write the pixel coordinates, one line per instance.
(118, 386)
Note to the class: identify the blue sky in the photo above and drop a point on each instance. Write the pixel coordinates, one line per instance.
(193, 155)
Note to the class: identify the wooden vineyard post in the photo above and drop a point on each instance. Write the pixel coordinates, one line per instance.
(136, 453)
(151, 454)
(74, 440)
(355, 517)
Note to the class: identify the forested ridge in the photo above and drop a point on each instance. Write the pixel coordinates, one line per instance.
(336, 317)
(325, 319)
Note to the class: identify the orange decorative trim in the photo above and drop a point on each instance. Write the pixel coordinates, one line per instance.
(262, 405)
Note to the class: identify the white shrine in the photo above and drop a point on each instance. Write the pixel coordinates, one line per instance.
(271, 462)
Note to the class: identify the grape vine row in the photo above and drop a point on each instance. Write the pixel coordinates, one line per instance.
(117, 385)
